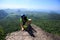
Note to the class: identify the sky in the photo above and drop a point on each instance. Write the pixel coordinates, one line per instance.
(30, 4)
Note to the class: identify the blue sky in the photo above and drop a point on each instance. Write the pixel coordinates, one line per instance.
(30, 4)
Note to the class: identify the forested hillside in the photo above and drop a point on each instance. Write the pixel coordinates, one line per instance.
(9, 21)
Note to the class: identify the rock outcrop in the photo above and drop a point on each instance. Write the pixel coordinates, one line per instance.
(23, 35)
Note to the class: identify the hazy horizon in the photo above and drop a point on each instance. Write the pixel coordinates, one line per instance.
(30, 4)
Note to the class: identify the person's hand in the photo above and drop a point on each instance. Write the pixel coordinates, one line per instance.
(22, 29)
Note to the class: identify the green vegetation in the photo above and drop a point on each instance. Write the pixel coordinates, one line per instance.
(2, 35)
(8, 25)
(51, 26)
(49, 22)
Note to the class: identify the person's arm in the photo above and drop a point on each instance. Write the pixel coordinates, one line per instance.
(21, 25)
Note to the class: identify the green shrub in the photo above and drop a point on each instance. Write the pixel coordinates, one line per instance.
(2, 35)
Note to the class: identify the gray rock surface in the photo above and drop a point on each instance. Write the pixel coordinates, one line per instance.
(23, 35)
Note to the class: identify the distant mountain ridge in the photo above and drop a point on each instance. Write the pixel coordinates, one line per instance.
(34, 13)
(3, 14)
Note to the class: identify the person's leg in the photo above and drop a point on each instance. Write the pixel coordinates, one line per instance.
(32, 28)
(30, 31)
